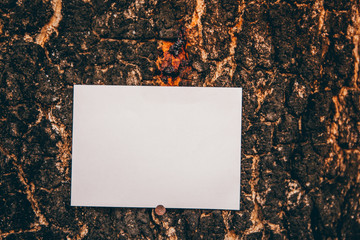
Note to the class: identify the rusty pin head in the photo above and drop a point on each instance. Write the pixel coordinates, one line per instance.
(160, 210)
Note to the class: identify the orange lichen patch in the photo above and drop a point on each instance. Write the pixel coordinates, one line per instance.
(173, 63)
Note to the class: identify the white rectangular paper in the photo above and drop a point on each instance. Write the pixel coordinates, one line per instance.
(142, 146)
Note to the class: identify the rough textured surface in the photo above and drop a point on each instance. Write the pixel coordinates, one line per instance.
(297, 61)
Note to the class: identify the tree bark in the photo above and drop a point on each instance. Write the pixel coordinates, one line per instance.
(297, 62)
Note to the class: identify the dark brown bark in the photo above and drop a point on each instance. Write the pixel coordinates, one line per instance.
(297, 62)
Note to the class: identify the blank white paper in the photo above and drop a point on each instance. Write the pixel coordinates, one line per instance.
(142, 146)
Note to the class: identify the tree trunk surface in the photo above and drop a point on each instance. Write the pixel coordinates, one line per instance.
(297, 62)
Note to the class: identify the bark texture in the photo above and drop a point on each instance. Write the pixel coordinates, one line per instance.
(297, 61)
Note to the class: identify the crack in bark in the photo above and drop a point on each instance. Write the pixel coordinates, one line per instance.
(195, 28)
(256, 214)
(36, 228)
(29, 188)
(64, 145)
(233, 43)
(52, 25)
